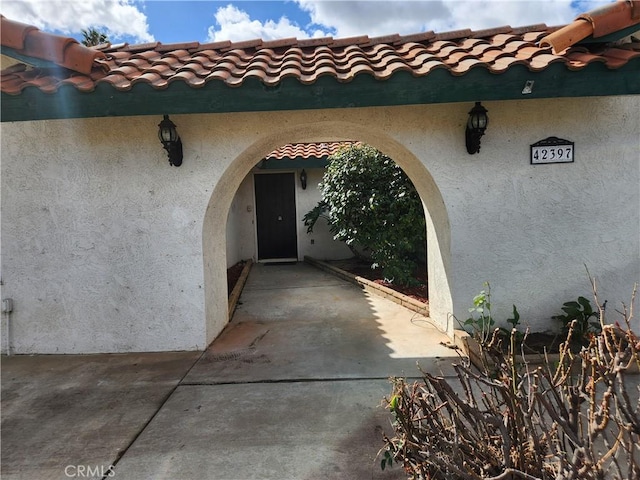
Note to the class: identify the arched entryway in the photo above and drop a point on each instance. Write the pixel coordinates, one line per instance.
(215, 221)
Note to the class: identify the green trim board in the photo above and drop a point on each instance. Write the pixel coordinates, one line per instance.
(612, 37)
(294, 163)
(556, 81)
(33, 61)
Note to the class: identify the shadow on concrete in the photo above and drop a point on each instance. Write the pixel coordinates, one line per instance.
(292, 389)
(296, 322)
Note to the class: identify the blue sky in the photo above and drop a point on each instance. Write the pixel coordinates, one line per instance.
(171, 21)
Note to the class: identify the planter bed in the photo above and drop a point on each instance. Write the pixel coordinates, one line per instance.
(470, 347)
(235, 282)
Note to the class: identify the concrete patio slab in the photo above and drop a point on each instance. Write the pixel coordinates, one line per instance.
(292, 389)
(79, 411)
(288, 275)
(307, 350)
(274, 431)
(322, 329)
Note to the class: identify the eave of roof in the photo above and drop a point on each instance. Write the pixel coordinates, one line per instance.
(402, 89)
(291, 74)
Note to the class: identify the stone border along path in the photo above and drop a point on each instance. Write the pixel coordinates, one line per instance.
(372, 287)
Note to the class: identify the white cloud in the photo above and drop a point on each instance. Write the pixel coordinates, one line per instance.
(516, 13)
(338, 18)
(349, 18)
(115, 17)
(236, 25)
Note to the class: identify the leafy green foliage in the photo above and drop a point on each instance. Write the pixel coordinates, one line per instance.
(581, 312)
(387, 459)
(92, 37)
(515, 321)
(372, 205)
(481, 321)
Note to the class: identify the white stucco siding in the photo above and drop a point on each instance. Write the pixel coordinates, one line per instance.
(324, 247)
(241, 225)
(106, 248)
(101, 240)
(530, 229)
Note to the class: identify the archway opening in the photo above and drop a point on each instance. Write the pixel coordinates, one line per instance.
(235, 196)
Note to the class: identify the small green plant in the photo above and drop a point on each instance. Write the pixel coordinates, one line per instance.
(582, 312)
(514, 321)
(481, 322)
(387, 459)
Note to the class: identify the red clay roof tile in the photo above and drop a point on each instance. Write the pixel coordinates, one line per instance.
(602, 21)
(142, 47)
(491, 32)
(176, 46)
(307, 150)
(14, 34)
(279, 43)
(31, 42)
(453, 35)
(611, 17)
(270, 62)
(314, 42)
(416, 37)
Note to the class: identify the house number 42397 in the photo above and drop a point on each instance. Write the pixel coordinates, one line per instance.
(552, 150)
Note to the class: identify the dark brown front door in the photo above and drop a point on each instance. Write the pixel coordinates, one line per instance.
(276, 216)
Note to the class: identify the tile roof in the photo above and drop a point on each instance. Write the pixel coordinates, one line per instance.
(307, 150)
(66, 52)
(233, 64)
(598, 23)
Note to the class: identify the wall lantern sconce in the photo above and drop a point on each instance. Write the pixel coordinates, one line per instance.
(170, 141)
(476, 125)
(303, 179)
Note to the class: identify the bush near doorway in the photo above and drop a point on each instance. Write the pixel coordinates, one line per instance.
(372, 206)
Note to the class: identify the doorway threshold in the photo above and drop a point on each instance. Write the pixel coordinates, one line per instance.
(278, 261)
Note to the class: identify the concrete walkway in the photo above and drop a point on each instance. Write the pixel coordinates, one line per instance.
(292, 389)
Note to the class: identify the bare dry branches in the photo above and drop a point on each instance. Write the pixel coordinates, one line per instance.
(574, 419)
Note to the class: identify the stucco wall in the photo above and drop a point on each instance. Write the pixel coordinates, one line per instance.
(241, 224)
(106, 248)
(319, 243)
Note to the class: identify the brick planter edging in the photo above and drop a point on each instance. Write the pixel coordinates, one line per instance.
(470, 347)
(371, 287)
(237, 289)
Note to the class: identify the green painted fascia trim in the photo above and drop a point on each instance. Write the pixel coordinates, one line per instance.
(612, 37)
(556, 81)
(33, 61)
(294, 163)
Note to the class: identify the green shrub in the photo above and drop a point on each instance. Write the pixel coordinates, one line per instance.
(373, 207)
(581, 313)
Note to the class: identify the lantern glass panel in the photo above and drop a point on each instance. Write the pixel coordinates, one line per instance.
(481, 120)
(166, 134)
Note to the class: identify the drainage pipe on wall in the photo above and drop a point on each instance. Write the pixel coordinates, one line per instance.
(7, 308)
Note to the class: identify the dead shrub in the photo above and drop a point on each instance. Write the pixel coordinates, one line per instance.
(577, 418)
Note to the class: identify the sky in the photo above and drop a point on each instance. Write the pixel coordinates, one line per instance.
(174, 21)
